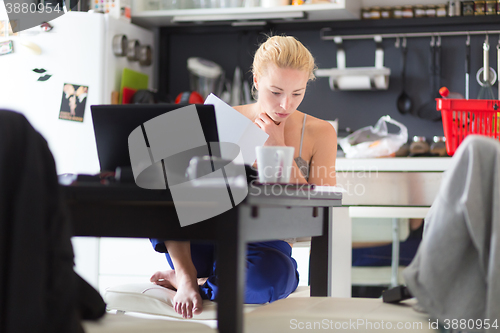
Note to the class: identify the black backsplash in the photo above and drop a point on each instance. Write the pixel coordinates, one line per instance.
(231, 47)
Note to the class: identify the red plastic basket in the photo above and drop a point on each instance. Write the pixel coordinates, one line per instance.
(462, 117)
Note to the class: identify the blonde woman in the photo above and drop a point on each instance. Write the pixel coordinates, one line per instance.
(281, 69)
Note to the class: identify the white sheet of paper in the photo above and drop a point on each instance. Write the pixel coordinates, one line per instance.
(236, 128)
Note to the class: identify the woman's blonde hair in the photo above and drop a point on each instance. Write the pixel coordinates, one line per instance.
(284, 52)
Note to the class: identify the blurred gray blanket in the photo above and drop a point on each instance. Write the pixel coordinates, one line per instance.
(456, 272)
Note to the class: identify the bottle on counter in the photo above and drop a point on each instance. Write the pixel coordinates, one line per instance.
(438, 146)
(403, 151)
(419, 146)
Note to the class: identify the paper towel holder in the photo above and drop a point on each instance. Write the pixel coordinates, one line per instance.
(357, 78)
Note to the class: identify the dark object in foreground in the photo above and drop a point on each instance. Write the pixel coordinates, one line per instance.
(396, 294)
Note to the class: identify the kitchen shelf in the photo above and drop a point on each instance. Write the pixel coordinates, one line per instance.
(409, 25)
(340, 10)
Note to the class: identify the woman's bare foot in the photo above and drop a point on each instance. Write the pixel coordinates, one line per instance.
(201, 281)
(165, 279)
(187, 300)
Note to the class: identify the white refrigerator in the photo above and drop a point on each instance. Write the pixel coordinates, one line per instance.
(78, 51)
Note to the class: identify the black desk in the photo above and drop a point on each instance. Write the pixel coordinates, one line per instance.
(267, 213)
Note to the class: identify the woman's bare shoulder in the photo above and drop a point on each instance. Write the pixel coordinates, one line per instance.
(319, 127)
(322, 133)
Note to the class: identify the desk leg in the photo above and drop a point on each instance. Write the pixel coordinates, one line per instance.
(320, 265)
(395, 253)
(341, 255)
(231, 261)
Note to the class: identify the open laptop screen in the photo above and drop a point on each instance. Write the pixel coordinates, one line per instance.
(114, 123)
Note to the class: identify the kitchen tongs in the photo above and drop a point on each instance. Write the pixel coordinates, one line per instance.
(428, 109)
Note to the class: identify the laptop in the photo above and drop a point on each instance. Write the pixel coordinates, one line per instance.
(114, 123)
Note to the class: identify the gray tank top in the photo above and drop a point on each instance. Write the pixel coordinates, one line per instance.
(301, 163)
(304, 169)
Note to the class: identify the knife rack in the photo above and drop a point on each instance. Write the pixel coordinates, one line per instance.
(325, 34)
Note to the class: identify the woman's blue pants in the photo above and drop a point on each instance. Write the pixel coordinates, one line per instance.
(271, 272)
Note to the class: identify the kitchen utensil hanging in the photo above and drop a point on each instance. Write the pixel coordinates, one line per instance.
(120, 44)
(133, 50)
(428, 109)
(404, 102)
(467, 67)
(357, 78)
(486, 76)
(145, 55)
(498, 64)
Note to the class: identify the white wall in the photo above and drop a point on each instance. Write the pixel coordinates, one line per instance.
(107, 262)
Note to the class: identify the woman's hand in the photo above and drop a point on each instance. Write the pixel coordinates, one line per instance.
(275, 131)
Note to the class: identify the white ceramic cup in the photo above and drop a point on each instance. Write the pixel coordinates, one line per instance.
(274, 163)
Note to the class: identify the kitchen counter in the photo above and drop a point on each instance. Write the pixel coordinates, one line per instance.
(398, 187)
(397, 181)
(436, 164)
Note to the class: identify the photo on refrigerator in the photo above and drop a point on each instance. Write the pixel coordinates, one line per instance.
(73, 102)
